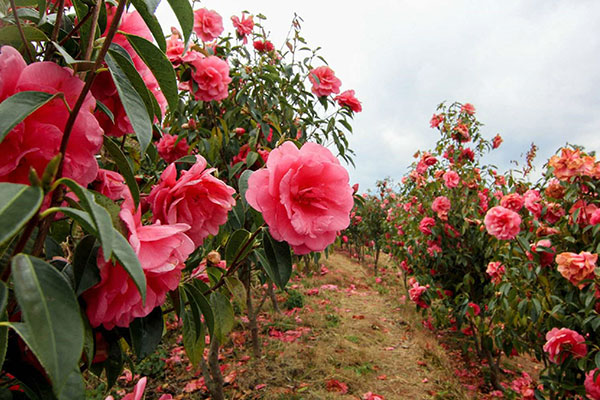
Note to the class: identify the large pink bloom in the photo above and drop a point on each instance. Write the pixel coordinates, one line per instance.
(415, 293)
(210, 77)
(560, 343)
(513, 202)
(162, 251)
(303, 195)
(36, 140)
(426, 224)
(592, 385)
(502, 223)
(208, 24)
(348, 99)
(451, 179)
(441, 205)
(197, 198)
(324, 82)
(577, 267)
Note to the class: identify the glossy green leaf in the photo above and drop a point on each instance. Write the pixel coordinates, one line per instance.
(203, 304)
(17, 107)
(185, 15)
(10, 35)
(146, 333)
(276, 259)
(161, 68)
(129, 260)
(132, 102)
(237, 289)
(237, 246)
(224, 317)
(193, 332)
(243, 184)
(146, 9)
(124, 168)
(85, 269)
(18, 203)
(53, 327)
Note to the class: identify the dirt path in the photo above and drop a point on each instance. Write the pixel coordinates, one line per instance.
(353, 335)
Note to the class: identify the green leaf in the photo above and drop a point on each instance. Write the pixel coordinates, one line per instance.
(185, 15)
(146, 333)
(276, 259)
(53, 327)
(10, 35)
(129, 260)
(18, 203)
(236, 241)
(100, 216)
(85, 269)
(82, 217)
(193, 332)
(161, 68)
(243, 184)
(146, 10)
(17, 107)
(237, 289)
(224, 318)
(114, 363)
(194, 294)
(134, 106)
(124, 168)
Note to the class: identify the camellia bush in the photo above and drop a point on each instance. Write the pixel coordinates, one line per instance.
(145, 175)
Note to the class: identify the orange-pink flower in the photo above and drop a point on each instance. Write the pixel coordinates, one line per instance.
(577, 267)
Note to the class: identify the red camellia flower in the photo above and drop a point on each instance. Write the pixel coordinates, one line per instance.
(210, 77)
(496, 141)
(303, 195)
(243, 27)
(208, 24)
(162, 251)
(502, 223)
(436, 120)
(592, 385)
(36, 140)
(547, 254)
(467, 108)
(171, 148)
(324, 82)
(426, 224)
(560, 343)
(577, 267)
(347, 99)
(197, 198)
(263, 46)
(415, 292)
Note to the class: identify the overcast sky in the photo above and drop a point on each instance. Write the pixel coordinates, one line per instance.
(531, 68)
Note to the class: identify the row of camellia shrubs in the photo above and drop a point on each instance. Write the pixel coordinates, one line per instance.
(506, 264)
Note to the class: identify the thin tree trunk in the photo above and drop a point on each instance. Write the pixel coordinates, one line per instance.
(273, 298)
(252, 314)
(212, 371)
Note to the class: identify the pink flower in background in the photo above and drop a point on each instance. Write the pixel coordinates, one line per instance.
(441, 205)
(162, 251)
(210, 75)
(243, 27)
(560, 343)
(324, 82)
(554, 212)
(347, 99)
(502, 223)
(546, 255)
(513, 202)
(111, 184)
(415, 293)
(592, 385)
(577, 267)
(263, 46)
(105, 91)
(303, 195)
(138, 391)
(426, 224)
(467, 108)
(495, 270)
(584, 210)
(533, 202)
(197, 198)
(175, 47)
(595, 217)
(36, 140)
(475, 307)
(208, 24)
(436, 120)
(171, 148)
(451, 179)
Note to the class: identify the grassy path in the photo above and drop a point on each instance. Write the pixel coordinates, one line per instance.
(353, 335)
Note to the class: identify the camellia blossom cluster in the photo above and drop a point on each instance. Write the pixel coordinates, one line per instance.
(495, 270)
(304, 195)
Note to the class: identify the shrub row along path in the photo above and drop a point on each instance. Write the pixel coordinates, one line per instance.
(355, 334)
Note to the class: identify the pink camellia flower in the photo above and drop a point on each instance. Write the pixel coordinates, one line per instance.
(162, 251)
(451, 179)
(208, 24)
(513, 202)
(171, 147)
(111, 184)
(592, 385)
(324, 82)
(462, 133)
(595, 217)
(560, 343)
(441, 205)
(263, 46)
(436, 120)
(415, 293)
(554, 212)
(426, 224)
(533, 202)
(496, 141)
(347, 99)
(483, 201)
(467, 108)
(577, 267)
(197, 198)
(584, 212)
(36, 140)
(303, 195)
(105, 91)
(243, 27)
(547, 254)
(138, 391)
(210, 75)
(495, 270)
(175, 47)
(502, 223)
